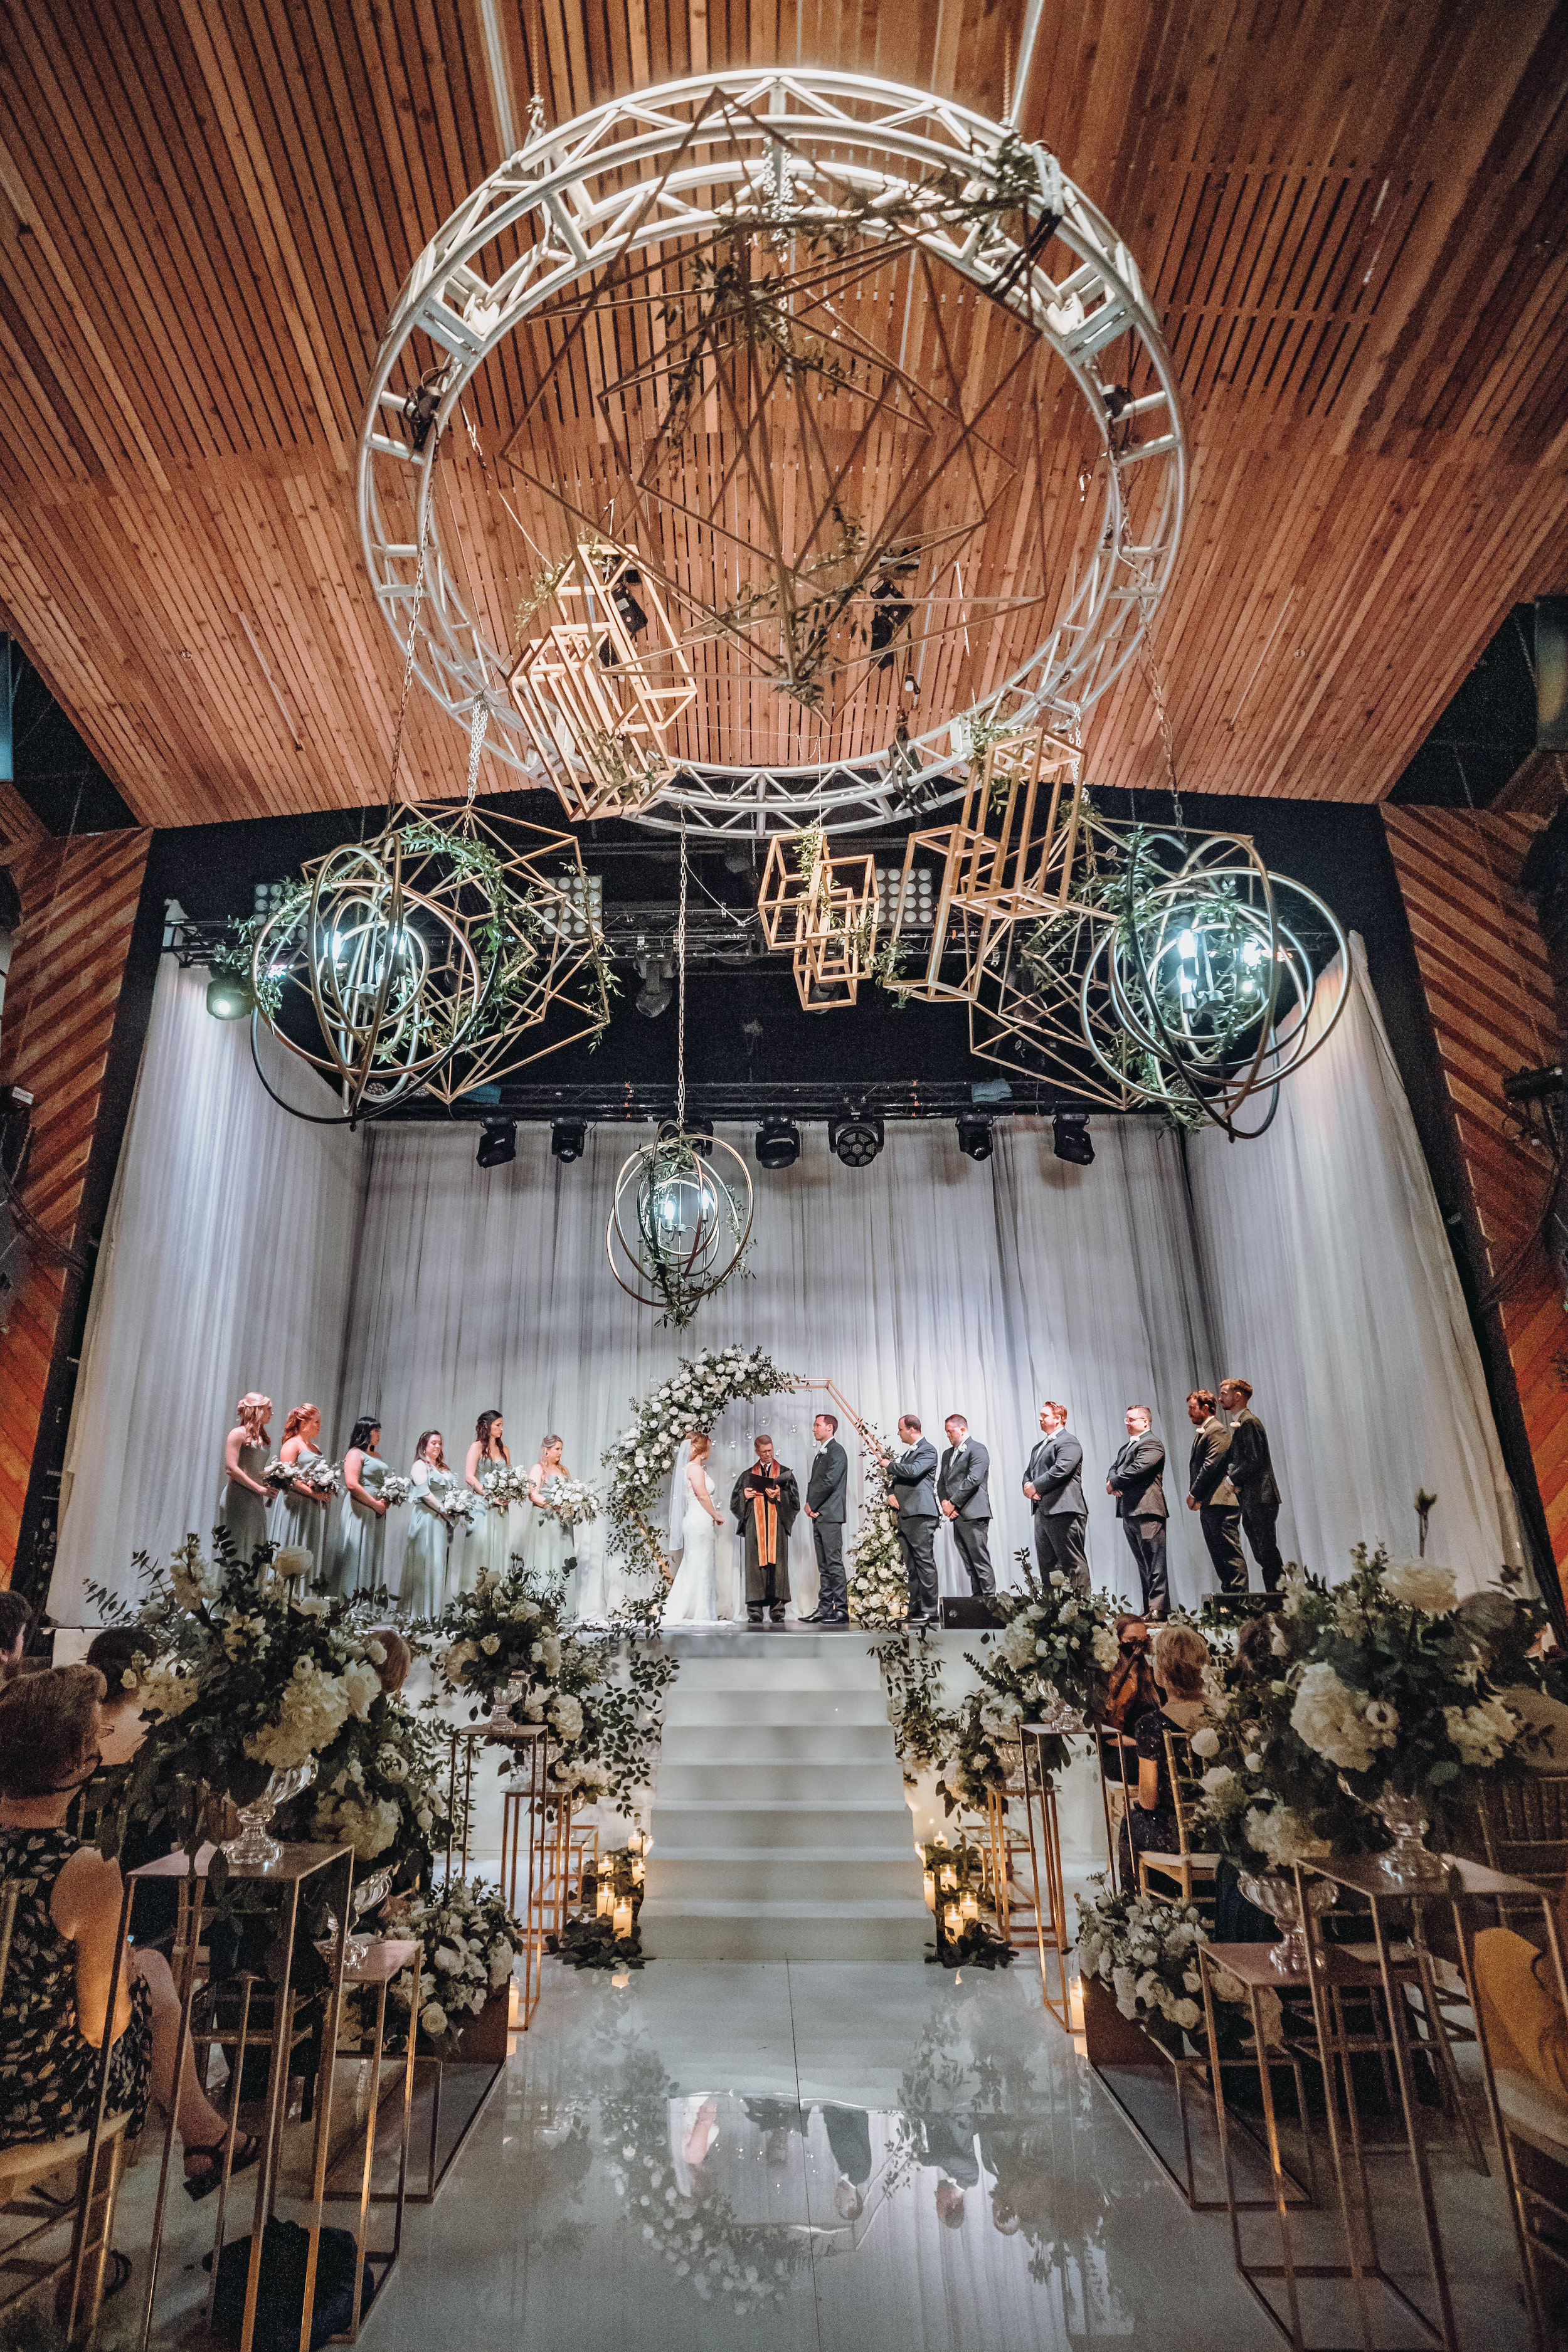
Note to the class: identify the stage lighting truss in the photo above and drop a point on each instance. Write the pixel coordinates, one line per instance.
(697, 253)
(823, 911)
(601, 688)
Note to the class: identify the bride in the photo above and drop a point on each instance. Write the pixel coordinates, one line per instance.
(693, 1596)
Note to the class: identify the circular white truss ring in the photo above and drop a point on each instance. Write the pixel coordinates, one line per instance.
(677, 161)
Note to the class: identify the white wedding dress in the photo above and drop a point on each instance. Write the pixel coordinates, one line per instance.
(693, 1597)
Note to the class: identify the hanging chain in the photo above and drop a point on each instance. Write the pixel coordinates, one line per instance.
(680, 995)
(408, 656)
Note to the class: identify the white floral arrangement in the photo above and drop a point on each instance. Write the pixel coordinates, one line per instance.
(470, 1941)
(1144, 1952)
(323, 1477)
(575, 1504)
(641, 1460)
(459, 1503)
(395, 1489)
(503, 1484)
(876, 1582)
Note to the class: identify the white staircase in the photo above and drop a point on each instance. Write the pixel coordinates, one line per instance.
(779, 1830)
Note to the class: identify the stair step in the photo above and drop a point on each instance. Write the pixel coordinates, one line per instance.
(824, 1873)
(833, 1746)
(794, 1670)
(874, 1779)
(780, 1824)
(777, 1706)
(887, 1930)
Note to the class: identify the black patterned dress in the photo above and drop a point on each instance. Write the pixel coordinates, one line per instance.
(49, 2073)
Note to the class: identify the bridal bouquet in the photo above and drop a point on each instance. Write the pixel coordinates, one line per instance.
(460, 1503)
(570, 1501)
(503, 1486)
(321, 1476)
(396, 1490)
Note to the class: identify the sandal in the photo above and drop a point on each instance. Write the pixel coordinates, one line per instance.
(246, 2153)
(119, 2273)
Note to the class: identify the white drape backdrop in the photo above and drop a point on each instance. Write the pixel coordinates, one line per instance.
(225, 1267)
(249, 1249)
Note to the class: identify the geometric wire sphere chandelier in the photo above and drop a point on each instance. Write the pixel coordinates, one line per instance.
(678, 1229)
(819, 361)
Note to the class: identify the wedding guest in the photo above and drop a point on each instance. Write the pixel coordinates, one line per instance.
(827, 1486)
(15, 1624)
(357, 1562)
(1252, 1476)
(1054, 1484)
(1180, 1655)
(912, 1481)
(1136, 1478)
(242, 1505)
(1130, 1692)
(1211, 1494)
(301, 1508)
(489, 1545)
(549, 1543)
(1516, 1993)
(422, 1581)
(54, 2014)
(963, 1490)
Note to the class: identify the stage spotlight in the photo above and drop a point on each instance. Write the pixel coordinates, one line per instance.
(1070, 1138)
(973, 1136)
(778, 1143)
(228, 993)
(568, 1138)
(655, 994)
(498, 1143)
(856, 1138)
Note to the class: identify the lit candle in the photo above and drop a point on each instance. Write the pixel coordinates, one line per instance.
(950, 1919)
(949, 1875)
(930, 1885)
(605, 1898)
(622, 1919)
(969, 1908)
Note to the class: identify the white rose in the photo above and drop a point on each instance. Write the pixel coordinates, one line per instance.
(291, 1560)
(1217, 1778)
(1421, 1584)
(433, 2019)
(1206, 1742)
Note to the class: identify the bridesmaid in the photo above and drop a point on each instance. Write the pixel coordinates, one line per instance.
(422, 1587)
(356, 1563)
(549, 1544)
(299, 1519)
(489, 1545)
(242, 1506)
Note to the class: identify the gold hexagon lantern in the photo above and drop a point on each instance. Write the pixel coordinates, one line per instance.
(602, 689)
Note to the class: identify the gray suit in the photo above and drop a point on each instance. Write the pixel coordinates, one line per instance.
(1219, 1514)
(912, 1483)
(826, 1488)
(1136, 1479)
(1055, 1471)
(964, 1481)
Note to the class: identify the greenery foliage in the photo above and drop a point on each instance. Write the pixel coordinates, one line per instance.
(641, 1460)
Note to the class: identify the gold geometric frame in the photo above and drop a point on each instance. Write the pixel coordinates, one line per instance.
(825, 915)
(601, 728)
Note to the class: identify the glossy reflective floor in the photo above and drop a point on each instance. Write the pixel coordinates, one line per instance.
(846, 2157)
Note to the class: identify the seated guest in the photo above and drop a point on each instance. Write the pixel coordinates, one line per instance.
(54, 2010)
(15, 1624)
(1516, 1992)
(1181, 1654)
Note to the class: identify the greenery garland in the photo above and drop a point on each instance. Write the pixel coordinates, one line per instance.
(641, 1461)
(876, 1581)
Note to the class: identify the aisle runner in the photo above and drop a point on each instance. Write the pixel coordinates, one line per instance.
(779, 1824)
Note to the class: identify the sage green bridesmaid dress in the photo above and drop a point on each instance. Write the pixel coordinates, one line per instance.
(359, 1550)
(421, 1586)
(241, 1512)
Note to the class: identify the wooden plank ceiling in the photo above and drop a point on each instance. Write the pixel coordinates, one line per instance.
(1352, 219)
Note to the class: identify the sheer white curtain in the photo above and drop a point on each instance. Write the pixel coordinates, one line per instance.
(225, 1267)
(1322, 1251)
(247, 1248)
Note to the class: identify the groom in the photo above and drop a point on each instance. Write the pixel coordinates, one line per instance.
(766, 1503)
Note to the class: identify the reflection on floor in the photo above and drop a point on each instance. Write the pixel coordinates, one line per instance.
(847, 2157)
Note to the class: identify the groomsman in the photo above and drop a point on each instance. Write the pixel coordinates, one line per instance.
(913, 1477)
(1252, 1476)
(1137, 1481)
(963, 1490)
(1054, 1486)
(1211, 1494)
(825, 1488)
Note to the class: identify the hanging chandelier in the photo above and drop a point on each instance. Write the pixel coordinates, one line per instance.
(677, 1228)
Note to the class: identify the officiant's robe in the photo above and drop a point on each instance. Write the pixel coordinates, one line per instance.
(765, 1526)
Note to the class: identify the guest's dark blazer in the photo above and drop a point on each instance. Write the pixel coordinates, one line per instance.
(965, 1479)
(1137, 1479)
(828, 1483)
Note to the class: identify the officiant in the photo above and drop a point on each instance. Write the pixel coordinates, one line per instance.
(766, 1503)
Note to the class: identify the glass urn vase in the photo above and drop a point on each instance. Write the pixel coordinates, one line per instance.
(255, 1845)
(1275, 1893)
(1409, 1859)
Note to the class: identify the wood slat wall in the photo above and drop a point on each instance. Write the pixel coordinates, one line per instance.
(1352, 219)
(78, 905)
(1487, 983)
